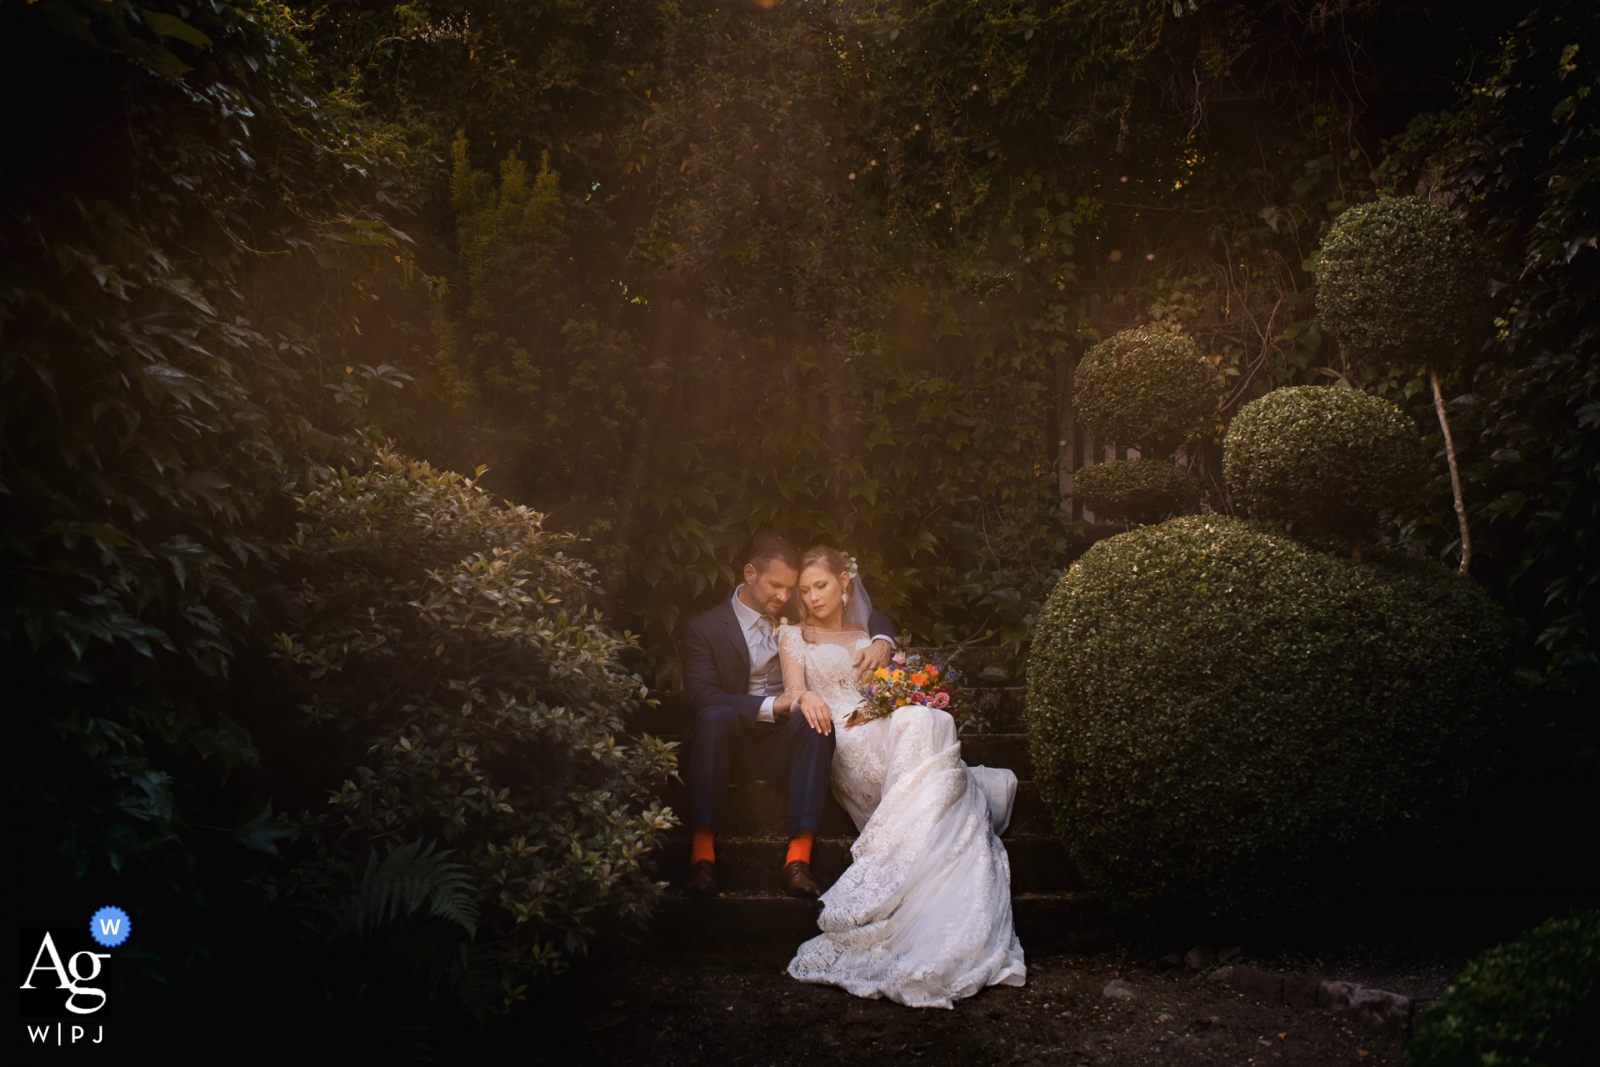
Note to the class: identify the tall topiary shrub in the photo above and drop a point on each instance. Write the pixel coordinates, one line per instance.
(1531, 1002)
(454, 642)
(1401, 283)
(1224, 716)
(1150, 388)
(1323, 457)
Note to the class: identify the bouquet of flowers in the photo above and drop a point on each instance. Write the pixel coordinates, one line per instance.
(909, 679)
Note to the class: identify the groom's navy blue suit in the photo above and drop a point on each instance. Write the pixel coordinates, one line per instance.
(727, 740)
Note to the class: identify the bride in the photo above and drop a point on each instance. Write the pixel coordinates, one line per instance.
(923, 914)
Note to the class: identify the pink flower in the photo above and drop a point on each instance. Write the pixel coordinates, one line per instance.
(942, 700)
(900, 658)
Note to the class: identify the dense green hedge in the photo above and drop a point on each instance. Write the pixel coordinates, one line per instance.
(1135, 490)
(1222, 715)
(455, 642)
(1398, 280)
(1531, 1002)
(1147, 387)
(1324, 457)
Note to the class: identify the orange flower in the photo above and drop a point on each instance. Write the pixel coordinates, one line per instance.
(919, 679)
(933, 669)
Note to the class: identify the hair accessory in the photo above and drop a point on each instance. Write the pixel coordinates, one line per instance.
(850, 567)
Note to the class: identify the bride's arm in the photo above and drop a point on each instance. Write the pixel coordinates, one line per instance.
(792, 660)
(791, 657)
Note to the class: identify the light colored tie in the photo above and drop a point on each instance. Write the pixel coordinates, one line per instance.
(766, 642)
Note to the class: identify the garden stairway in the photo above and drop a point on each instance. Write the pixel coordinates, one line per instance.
(1052, 911)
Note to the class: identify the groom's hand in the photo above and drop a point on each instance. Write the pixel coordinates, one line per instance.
(866, 660)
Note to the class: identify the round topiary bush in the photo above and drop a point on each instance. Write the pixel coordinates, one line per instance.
(1145, 387)
(1324, 457)
(1135, 490)
(1221, 716)
(1399, 279)
(1532, 1002)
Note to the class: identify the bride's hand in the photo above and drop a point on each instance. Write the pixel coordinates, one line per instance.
(815, 709)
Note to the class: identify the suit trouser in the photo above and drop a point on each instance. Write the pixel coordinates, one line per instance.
(722, 748)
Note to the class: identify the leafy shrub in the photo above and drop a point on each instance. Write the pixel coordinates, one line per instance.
(1223, 716)
(1399, 280)
(1531, 1002)
(1323, 457)
(455, 639)
(1136, 490)
(188, 301)
(1147, 387)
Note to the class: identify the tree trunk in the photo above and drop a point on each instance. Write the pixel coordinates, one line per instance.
(1455, 472)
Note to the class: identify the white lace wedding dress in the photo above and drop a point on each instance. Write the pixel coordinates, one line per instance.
(923, 914)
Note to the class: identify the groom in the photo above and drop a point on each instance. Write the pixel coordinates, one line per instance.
(744, 723)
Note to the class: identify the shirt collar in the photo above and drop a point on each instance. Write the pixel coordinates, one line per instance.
(748, 617)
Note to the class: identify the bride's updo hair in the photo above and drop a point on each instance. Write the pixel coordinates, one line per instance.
(830, 558)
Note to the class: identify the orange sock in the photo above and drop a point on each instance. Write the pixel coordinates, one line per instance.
(705, 845)
(799, 848)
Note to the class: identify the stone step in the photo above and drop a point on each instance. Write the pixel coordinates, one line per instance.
(756, 808)
(767, 921)
(999, 750)
(754, 863)
(977, 710)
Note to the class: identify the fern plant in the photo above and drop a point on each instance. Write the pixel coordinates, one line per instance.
(407, 880)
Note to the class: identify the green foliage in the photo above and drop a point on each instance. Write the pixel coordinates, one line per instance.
(1530, 1002)
(829, 214)
(1223, 717)
(1518, 154)
(1147, 387)
(1326, 458)
(407, 880)
(547, 398)
(456, 642)
(509, 237)
(1136, 490)
(1400, 281)
(180, 295)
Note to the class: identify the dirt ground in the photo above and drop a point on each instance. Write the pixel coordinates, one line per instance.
(719, 1011)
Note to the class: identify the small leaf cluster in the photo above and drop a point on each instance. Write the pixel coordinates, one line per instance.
(1146, 386)
(1327, 458)
(1527, 1003)
(1400, 281)
(453, 642)
(1136, 490)
(1223, 718)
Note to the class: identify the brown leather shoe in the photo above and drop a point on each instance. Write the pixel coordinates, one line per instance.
(797, 881)
(702, 880)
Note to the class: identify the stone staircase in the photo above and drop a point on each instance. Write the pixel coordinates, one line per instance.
(1052, 911)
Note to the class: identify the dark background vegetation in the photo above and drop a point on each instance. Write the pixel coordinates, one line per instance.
(674, 272)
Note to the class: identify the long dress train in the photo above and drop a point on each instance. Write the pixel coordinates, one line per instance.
(923, 913)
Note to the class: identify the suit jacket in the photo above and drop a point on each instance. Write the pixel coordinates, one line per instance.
(716, 661)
